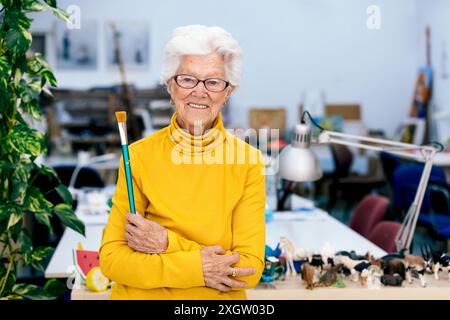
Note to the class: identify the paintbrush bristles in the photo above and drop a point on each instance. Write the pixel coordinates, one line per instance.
(121, 116)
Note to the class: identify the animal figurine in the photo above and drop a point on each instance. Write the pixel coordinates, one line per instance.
(355, 266)
(352, 255)
(272, 271)
(399, 255)
(415, 263)
(330, 277)
(316, 261)
(308, 275)
(373, 277)
(288, 251)
(394, 271)
(439, 263)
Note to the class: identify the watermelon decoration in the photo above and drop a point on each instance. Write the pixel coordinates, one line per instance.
(85, 261)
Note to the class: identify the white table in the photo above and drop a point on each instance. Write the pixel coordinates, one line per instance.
(312, 229)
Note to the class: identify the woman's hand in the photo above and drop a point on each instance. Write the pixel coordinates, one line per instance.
(218, 270)
(144, 235)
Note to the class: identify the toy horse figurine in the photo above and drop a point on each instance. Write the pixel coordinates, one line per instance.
(288, 252)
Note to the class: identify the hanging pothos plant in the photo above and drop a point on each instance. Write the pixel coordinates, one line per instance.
(23, 77)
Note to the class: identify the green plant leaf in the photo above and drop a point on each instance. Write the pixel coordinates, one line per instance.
(33, 292)
(51, 3)
(4, 211)
(55, 287)
(26, 140)
(61, 14)
(26, 246)
(4, 67)
(48, 75)
(41, 60)
(38, 256)
(44, 218)
(19, 189)
(40, 253)
(14, 218)
(18, 41)
(9, 284)
(50, 172)
(16, 19)
(20, 176)
(68, 218)
(32, 108)
(36, 202)
(33, 6)
(30, 90)
(64, 194)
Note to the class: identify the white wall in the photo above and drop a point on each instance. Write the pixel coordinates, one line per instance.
(436, 14)
(289, 46)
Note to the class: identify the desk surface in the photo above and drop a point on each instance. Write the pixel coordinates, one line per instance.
(293, 289)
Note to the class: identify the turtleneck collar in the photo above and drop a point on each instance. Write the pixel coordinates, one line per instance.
(192, 144)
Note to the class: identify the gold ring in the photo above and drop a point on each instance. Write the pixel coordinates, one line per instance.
(233, 272)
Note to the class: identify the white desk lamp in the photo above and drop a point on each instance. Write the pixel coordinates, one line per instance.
(299, 163)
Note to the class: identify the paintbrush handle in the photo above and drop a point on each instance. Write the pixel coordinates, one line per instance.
(126, 163)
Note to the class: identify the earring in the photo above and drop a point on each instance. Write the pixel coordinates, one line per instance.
(171, 102)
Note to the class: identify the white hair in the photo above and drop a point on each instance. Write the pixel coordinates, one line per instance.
(202, 40)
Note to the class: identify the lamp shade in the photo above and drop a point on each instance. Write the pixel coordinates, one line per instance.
(297, 161)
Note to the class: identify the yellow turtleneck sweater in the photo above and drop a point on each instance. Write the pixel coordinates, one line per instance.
(206, 190)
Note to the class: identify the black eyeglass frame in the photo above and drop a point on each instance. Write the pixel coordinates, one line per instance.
(227, 84)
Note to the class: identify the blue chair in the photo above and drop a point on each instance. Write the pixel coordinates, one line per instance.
(435, 210)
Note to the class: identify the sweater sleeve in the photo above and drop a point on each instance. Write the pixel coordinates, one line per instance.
(120, 263)
(177, 242)
(249, 224)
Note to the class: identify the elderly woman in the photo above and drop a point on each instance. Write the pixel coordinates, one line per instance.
(199, 190)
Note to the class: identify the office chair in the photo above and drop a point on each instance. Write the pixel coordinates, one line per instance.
(369, 212)
(383, 235)
(435, 210)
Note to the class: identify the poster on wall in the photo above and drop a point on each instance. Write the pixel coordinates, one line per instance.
(131, 39)
(76, 48)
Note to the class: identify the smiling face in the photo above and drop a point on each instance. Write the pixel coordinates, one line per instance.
(197, 108)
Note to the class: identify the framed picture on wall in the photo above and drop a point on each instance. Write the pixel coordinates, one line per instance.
(133, 41)
(76, 48)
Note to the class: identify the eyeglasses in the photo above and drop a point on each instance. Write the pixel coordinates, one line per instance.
(212, 84)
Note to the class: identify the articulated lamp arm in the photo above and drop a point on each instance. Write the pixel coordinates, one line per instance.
(406, 233)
